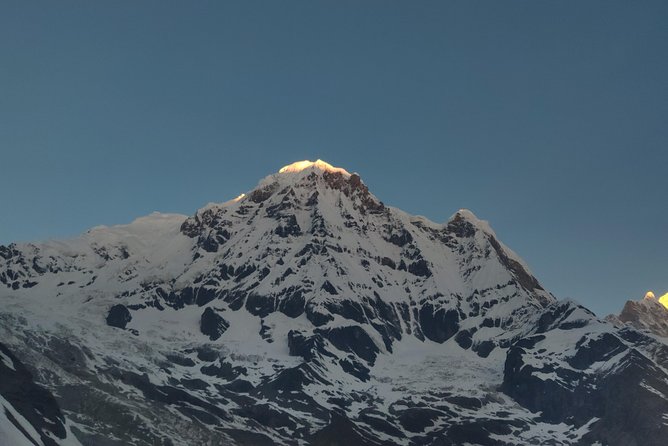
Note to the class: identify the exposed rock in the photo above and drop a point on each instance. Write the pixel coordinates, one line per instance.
(438, 325)
(260, 305)
(416, 419)
(118, 316)
(386, 261)
(352, 338)
(293, 303)
(400, 238)
(340, 431)
(620, 398)
(525, 279)
(355, 368)
(484, 348)
(327, 286)
(260, 195)
(33, 402)
(647, 315)
(420, 268)
(464, 339)
(213, 324)
(223, 370)
(461, 227)
(289, 227)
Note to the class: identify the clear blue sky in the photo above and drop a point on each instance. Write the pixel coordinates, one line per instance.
(547, 118)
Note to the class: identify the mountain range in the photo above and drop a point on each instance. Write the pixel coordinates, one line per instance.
(308, 312)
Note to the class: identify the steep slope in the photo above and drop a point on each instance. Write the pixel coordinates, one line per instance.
(307, 311)
(29, 414)
(580, 371)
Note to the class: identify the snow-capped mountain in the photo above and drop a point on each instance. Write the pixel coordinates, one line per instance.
(649, 315)
(308, 312)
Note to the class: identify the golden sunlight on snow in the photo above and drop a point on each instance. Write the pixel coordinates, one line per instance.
(663, 300)
(319, 164)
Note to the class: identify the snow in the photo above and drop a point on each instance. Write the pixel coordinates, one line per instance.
(306, 164)
(10, 434)
(160, 253)
(7, 361)
(128, 261)
(648, 315)
(663, 300)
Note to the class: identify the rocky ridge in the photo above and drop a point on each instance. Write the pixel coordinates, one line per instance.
(649, 315)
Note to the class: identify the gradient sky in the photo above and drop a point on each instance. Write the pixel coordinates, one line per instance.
(546, 118)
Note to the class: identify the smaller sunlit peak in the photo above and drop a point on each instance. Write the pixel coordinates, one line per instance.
(663, 300)
(306, 164)
(239, 198)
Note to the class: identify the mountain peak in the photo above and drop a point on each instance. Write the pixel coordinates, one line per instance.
(465, 215)
(299, 166)
(315, 176)
(663, 300)
(303, 299)
(649, 314)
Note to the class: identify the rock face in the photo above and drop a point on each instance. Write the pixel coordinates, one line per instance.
(647, 315)
(308, 312)
(212, 324)
(30, 413)
(616, 378)
(118, 316)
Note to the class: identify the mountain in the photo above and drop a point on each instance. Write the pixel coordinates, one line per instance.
(648, 315)
(309, 312)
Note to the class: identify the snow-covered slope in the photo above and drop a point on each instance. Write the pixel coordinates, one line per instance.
(29, 414)
(302, 312)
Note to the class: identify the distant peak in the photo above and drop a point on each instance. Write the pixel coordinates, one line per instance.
(663, 300)
(318, 164)
(466, 214)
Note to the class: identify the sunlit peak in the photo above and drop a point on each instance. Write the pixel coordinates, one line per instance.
(318, 164)
(663, 300)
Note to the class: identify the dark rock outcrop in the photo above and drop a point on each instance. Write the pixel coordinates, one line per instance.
(213, 324)
(352, 338)
(647, 315)
(340, 431)
(620, 398)
(440, 324)
(118, 316)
